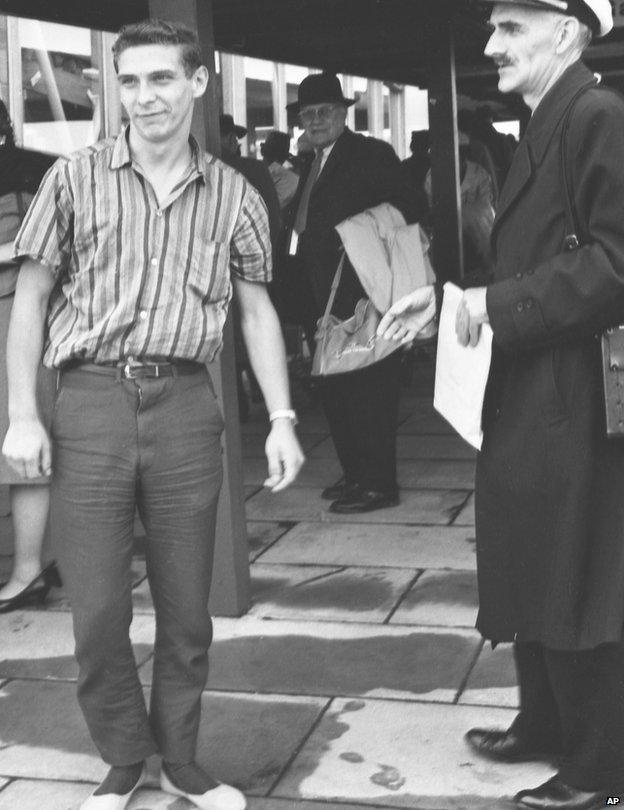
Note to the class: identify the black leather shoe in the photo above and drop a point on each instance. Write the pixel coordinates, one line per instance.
(556, 795)
(506, 746)
(338, 491)
(363, 500)
(36, 590)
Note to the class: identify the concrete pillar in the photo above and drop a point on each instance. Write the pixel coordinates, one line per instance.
(397, 120)
(347, 90)
(16, 99)
(280, 98)
(111, 106)
(230, 581)
(234, 90)
(375, 103)
(447, 237)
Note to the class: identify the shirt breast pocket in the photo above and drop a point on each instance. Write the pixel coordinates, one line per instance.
(206, 272)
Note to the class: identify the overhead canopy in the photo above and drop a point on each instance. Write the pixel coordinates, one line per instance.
(390, 40)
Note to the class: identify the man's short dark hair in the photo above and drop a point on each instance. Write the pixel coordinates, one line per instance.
(160, 32)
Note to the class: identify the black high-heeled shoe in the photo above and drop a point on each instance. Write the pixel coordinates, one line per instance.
(36, 590)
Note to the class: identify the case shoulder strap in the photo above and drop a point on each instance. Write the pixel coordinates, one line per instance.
(574, 234)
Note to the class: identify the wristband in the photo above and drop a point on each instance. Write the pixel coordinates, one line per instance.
(284, 413)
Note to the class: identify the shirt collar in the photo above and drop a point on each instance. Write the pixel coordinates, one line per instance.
(121, 153)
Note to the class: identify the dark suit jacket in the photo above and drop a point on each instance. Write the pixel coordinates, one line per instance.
(258, 175)
(360, 173)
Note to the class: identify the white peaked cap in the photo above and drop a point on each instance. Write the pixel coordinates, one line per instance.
(600, 9)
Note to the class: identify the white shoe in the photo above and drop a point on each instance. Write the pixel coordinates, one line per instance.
(112, 801)
(223, 797)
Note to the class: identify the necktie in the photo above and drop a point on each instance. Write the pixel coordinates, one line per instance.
(304, 202)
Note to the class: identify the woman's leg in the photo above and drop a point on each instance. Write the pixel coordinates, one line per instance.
(29, 508)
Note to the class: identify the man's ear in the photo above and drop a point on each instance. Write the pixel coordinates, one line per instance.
(567, 34)
(200, 81)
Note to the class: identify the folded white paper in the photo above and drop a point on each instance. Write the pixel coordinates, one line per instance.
(461, 372)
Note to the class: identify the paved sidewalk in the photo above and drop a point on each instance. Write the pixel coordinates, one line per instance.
(353, 677)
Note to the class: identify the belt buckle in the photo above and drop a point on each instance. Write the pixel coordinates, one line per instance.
(128, 371)
(133, 371)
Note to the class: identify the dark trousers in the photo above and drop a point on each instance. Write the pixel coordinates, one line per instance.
(154, 444)
(362, 411)
(575, 701)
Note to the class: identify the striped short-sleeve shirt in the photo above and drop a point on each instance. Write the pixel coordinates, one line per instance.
(135, 277)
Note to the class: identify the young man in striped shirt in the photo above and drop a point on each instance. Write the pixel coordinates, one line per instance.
(130, 251)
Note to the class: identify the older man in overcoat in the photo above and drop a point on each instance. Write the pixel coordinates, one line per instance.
(349, 173)
(550, 485)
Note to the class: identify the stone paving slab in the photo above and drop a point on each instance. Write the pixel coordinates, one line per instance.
(449, 447)
(36, 794)
(467, 515)
(429, 507)
(403, 755)
(396, 546)
(316, 472)
(434, 474)
(447, 598)
(276, 803)
(492, 681)
(30, 794)
(245, 740)
(40, 644)
(327, 658)
(347, 595)
(261, 535)
(268, 581)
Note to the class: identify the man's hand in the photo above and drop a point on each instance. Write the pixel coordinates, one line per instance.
(471, 313)
(27, 448)
(409, 316)
(284, 455)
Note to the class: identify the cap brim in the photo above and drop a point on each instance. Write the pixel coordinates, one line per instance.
(605, 21)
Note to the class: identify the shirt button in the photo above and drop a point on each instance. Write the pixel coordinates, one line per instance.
(142, 314)
(159, 213)
(519, 306)
(153, 262)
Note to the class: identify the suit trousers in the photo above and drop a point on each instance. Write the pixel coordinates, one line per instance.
(362, 411)
(574, 699)
(118, 445)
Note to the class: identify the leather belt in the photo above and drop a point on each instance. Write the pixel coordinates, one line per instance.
(135, 369)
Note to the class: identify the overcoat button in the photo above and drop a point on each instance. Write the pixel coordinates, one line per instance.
(529, 303)
(518, 276)
(519, 306)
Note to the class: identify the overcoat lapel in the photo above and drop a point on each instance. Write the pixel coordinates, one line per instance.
(540, 131)
(519, 175)
(334, 159)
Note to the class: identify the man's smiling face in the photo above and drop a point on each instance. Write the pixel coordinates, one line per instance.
(156, 91)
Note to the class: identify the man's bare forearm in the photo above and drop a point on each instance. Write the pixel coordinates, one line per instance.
(265, 347)
(25, 339)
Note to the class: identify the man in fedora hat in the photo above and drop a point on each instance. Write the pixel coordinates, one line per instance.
(349, 174)
(549, 506)
(275, 153)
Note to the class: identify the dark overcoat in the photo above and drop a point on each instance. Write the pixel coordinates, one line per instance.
(550, 486)
(359, 173)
